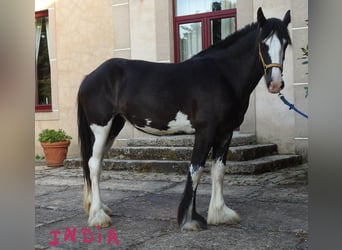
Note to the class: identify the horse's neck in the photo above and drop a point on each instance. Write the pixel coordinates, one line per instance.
(248, 71)
(252, 74)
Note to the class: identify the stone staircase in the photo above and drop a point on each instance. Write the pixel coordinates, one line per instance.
(173, 154)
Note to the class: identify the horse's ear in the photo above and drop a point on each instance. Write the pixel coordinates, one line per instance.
(287, 18)
(261, 17)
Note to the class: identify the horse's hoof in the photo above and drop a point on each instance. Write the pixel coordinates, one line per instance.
(222, 215)
(100, 218)
(193, 225)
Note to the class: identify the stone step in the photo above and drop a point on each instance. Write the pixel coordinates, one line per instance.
(238, 139)
(263, 164)
(237, 153)
(255, 166)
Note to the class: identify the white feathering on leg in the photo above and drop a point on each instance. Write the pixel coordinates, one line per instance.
(218, 212)
(86, 198)
(98, 211)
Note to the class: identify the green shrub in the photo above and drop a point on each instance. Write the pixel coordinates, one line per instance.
(52, 135)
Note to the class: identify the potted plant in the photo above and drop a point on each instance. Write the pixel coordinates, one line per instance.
(55, 144)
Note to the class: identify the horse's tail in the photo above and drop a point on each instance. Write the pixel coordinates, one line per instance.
(85, 140)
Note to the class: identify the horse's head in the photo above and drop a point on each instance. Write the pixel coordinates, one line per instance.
(274, 38)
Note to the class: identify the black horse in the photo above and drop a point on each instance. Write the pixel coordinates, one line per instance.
(206, 95)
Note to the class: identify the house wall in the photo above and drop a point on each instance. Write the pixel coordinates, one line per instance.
(300, 74)
(85, 33)
(81, 38)
(148, 35)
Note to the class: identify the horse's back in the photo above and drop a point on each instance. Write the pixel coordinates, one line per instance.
(144, 91)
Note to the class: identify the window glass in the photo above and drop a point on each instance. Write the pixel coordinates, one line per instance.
(190, 39)
(201, 23)
(43, 76)
(220, 28)
(189, 7)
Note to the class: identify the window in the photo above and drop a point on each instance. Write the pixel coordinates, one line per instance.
(43, 70)
(201, 23)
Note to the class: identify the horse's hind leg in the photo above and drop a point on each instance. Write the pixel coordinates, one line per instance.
(103, 138)
(219, 212)
(117, 125)
(97, 215)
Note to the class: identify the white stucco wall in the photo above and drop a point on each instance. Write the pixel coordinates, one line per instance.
(81, 38)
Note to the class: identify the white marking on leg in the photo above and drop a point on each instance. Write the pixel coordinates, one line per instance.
(218, 212)
(195, 175)
(86, 198)
(189, 224)
(97, 214)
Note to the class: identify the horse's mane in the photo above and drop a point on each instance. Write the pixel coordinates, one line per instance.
(229, 40)
(271, 25)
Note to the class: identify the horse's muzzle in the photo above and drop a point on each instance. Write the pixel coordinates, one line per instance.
(275, 87)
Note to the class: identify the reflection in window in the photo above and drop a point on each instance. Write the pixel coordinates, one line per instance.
(43, 75)
(221, 28)
(201, 23)
(190, 39)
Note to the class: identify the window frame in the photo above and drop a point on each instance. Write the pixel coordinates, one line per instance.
(42, 107)
(205, 19)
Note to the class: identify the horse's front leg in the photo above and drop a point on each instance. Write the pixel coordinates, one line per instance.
(219, 212)
(188, 218)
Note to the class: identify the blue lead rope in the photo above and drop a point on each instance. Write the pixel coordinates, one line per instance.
(291, 106)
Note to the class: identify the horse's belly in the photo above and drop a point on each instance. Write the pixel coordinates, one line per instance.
(180, 125)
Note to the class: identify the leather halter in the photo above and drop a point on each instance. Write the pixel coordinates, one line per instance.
(268, 66)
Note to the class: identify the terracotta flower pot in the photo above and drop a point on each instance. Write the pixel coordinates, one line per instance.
(55, 153)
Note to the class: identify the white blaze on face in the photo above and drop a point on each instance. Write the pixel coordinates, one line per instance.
(275, 52)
